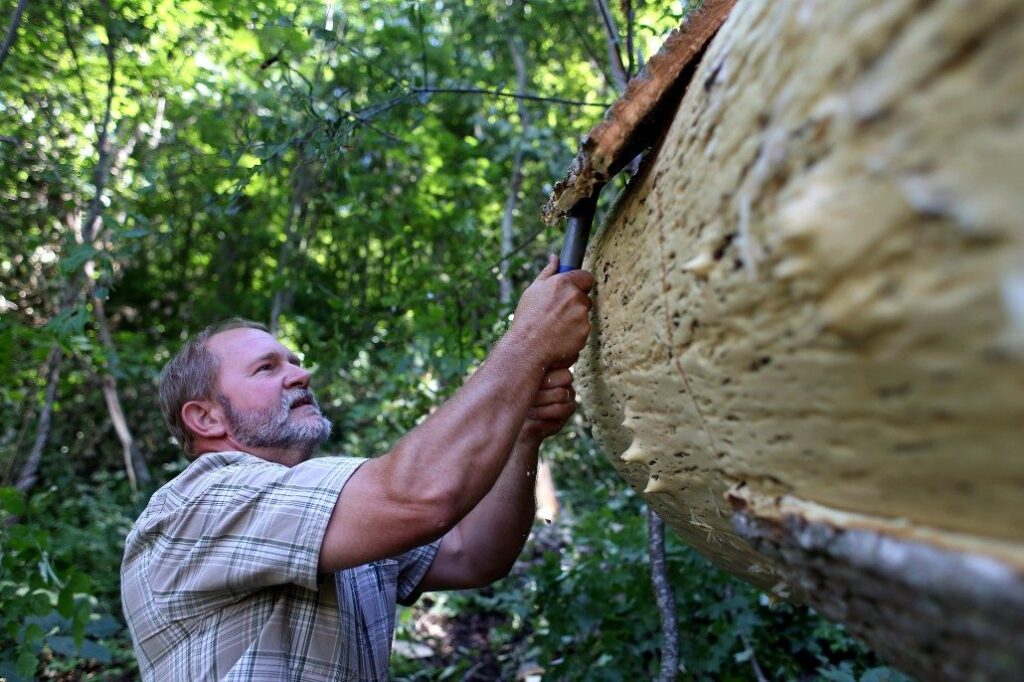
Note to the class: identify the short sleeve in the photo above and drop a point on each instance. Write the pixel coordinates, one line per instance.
(237, 524)
(412, 566)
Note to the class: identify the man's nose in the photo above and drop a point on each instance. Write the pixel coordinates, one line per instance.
(297, 376)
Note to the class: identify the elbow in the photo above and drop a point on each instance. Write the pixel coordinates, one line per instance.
(433, 515)
(494, 574)
(481, 572)
(503, 560)
(483, 575)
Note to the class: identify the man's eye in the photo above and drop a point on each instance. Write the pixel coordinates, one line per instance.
(266, 366)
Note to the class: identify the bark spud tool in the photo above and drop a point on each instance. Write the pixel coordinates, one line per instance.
(577, 232)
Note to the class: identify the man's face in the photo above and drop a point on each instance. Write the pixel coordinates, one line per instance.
(265, 393)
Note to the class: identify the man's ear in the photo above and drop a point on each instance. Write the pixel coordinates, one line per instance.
(204, 418)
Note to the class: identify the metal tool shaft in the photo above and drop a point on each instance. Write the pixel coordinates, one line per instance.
(581, 217)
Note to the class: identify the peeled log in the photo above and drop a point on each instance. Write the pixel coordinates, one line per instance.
(808, 343)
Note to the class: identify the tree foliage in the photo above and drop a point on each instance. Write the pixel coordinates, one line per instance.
(338, 170)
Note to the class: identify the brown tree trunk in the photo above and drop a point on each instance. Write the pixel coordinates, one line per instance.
(664, 596)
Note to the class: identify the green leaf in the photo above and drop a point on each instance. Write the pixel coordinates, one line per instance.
(33, 635)
(27, 662)
(79, 582)
(83, 611)
(63, 645)
(12, 501)
(68, 322)
(50, 622)
(66, 603)
(77, 258)
(104, 626)
(94, 650)
(9, 670)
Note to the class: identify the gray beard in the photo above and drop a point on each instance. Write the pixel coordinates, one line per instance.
(273, 428)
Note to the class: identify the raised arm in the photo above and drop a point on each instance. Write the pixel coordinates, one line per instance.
(484, 545)
(442, 469)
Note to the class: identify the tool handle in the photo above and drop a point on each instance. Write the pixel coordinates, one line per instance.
(577, 232)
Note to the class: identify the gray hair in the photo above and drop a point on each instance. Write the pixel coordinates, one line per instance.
(192, 375)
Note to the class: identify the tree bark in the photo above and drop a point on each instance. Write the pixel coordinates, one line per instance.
(136, 467)
(12, 31)
(808, 336)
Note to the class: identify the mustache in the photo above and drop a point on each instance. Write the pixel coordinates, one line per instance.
(297, 397)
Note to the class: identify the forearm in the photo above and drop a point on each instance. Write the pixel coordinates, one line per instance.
(458, 453)
(496, 530)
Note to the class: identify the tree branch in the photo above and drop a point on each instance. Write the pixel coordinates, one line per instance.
(627, 6)
(134, 461)
(526, 242)
(102, 170)
(12, 30)
(614, 52)
(74, 57)
(755, 665)
(512, 95)
(664, 597)
(423, 43)
(28, 473)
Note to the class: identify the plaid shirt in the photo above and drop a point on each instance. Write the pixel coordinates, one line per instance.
(219, 579)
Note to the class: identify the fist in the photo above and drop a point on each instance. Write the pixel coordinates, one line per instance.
(553, 315)
(552, 406)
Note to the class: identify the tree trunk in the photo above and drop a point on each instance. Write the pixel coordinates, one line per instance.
(135, 465)
(12, 31)
(296, 214)
(28, 474)
(808, 342)
(664, 597)
(515, 183)
(614, 52)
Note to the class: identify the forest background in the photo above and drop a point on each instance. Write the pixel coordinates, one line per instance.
(365, 177)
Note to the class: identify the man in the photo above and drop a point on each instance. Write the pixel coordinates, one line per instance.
(258, 563)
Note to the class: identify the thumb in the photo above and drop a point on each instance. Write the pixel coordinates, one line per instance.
(550, 269)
